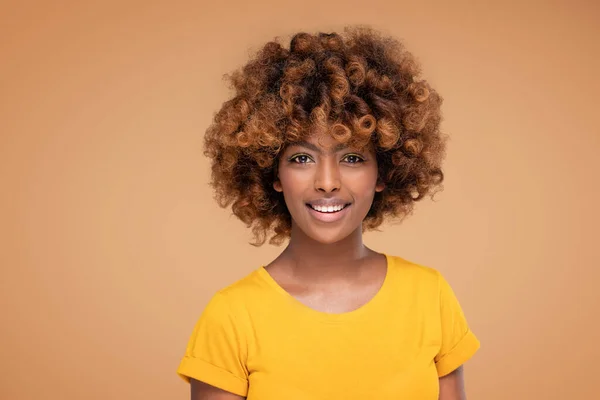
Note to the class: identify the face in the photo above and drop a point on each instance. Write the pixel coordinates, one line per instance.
(328, 188)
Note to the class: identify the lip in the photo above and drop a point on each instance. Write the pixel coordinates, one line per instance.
(328, 217)
(326, 202)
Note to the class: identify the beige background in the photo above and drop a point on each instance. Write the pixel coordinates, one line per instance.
(111, 243)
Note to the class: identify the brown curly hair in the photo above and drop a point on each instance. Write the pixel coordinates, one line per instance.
(362, 87)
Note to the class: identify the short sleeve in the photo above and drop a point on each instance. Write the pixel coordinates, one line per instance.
(458, 342)
(216, 352)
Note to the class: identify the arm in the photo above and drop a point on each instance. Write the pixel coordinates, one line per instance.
(452, 386)
(214, 363)
(458, 345)
(203, 391)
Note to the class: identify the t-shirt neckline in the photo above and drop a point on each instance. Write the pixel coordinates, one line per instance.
(324, 316)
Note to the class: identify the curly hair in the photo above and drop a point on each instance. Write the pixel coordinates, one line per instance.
(362, 87)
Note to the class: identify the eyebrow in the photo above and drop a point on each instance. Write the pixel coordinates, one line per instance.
(316, 148)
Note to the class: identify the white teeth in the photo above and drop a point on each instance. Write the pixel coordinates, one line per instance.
(328, 209)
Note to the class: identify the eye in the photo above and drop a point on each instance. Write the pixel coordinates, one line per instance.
(353, 159)
(300, 159)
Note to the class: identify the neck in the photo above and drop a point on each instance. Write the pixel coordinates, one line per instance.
(316, 261)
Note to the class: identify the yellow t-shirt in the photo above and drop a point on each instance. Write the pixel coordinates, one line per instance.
(256, 340)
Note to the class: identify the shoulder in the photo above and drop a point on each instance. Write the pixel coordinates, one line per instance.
(249, 283)
(240, 293)
(413, 271)
(416, 280)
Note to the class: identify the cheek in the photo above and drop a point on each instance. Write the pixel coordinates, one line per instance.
(362, 182)
(292, 181)
(292, 175)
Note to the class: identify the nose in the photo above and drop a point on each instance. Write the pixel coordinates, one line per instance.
(327, 177)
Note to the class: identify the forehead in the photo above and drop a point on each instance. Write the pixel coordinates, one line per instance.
(326, 143)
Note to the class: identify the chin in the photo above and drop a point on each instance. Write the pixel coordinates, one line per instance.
(327, 236)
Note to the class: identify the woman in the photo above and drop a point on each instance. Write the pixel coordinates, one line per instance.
(321, 142)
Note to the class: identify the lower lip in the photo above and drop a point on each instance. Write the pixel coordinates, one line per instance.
(330, 216)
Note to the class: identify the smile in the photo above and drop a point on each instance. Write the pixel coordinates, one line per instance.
(328, 214)
(328, 209)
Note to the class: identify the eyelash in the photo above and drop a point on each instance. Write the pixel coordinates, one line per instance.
(293, 158)
(359, 159)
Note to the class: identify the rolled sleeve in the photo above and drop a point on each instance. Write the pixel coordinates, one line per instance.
(206, 372)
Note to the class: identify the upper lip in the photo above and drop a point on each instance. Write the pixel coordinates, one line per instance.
(328, 202)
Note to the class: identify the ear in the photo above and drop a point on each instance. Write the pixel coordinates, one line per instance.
(276, 182)
(379, 187)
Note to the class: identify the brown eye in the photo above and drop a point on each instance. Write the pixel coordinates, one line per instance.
(300, 159)
(353, 159)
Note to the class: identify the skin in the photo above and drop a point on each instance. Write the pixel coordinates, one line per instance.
(326, 266)
(202, 391)
(452, 386)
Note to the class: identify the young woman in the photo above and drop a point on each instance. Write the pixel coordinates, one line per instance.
(322, 141)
